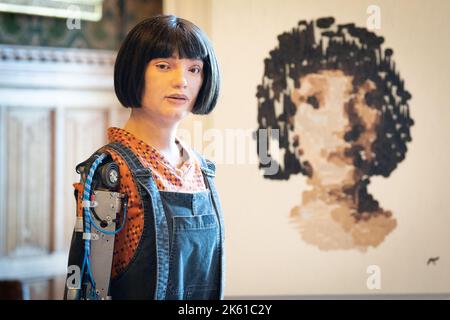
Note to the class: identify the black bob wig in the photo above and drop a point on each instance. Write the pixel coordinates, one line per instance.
(160, 37)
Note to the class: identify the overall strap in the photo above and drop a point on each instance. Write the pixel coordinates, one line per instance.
(209, 172)
(145, 182)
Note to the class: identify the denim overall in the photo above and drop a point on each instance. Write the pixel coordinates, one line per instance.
(181, 251)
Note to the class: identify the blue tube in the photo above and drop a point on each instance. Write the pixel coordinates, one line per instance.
(88, 221)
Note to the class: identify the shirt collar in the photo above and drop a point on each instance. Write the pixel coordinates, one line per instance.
(147, 152)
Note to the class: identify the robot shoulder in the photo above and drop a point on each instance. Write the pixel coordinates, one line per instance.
(106, 175)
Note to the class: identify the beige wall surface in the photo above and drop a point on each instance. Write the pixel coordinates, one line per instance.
(265, 253)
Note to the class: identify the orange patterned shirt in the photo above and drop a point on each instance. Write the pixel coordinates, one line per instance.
(186, 178)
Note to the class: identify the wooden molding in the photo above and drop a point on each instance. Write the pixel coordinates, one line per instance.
(16, 53)
(56, 68)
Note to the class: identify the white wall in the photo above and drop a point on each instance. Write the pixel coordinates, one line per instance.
(266, 255)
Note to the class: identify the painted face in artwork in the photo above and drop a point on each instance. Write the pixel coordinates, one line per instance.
(324, 103)
(328, 106)
(342, 113)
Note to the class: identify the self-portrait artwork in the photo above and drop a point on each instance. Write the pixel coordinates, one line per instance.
(342, 112)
